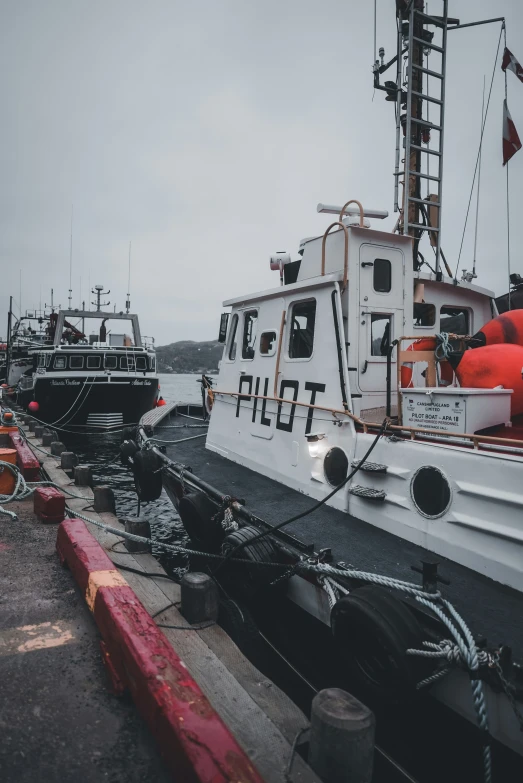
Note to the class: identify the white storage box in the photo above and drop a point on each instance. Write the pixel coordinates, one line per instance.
(455, 410)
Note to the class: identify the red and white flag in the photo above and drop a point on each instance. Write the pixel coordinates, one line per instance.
(510, 62)
(511, 142)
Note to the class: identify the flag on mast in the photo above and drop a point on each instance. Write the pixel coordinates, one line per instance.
(511, 142)
(510, 62)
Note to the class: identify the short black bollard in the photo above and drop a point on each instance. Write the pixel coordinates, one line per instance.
(39, 431)
(199, 598)
(138, 527)
(32, 425)
(69, 460)
(104, 499)
(57, 447)
(83, 476)
(47, 438)
(342, 738)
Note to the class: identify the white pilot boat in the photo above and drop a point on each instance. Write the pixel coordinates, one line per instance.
(345, 384)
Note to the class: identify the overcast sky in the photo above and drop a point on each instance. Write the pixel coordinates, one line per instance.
(207, 132)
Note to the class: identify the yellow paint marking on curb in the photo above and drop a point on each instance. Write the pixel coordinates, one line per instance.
(97, 579)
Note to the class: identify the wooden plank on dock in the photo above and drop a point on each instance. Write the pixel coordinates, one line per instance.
(262, 718)
(153, 417)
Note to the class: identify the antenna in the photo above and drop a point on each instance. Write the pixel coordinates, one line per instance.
(20, 300)
(99, 292)
(71, 264)
(128, 302)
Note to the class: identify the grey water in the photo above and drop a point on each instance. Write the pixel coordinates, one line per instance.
(101, 451)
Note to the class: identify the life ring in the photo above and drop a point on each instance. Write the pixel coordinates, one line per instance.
(425, 344)
(209, 400)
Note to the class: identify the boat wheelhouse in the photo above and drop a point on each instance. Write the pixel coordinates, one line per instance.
(100, 380)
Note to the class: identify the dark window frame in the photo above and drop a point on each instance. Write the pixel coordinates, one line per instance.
(462, 309)
(232, 344)
(108, 357)
(381, 317)
(143, 361)
(424, 326)
(127, 363)
(248, 343)
(60, 359)
(375, 268)
(72, 361)
(272, 348)
(91, 359)
(296, 346)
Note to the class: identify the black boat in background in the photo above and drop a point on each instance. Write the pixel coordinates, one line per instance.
(94, 370)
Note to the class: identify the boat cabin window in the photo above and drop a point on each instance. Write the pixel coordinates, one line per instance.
(380, 333)
(93, 362)
(127, 362)
(141, 363)
(250, 321)
(60, 362)
(455, 320)
(268, 343)
(41, 360)
(424, 314)
(76, 362)
(382, 275)
(303, 319)
(110, 362)
(152, 363)
(232, 338)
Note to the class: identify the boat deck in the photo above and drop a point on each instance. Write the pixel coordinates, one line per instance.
(492, 610)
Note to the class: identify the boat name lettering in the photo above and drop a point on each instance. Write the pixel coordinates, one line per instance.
(294, 386)
(66, 382)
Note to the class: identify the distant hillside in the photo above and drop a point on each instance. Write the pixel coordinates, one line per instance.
(189, 356)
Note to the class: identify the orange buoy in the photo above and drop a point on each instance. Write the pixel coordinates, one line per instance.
(491, 366)
(506, 328)
(160, 402)
(8, 416)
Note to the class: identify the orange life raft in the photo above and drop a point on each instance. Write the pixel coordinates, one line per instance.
(491, 366)
(506, 328)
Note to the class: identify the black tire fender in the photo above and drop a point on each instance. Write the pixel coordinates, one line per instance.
(261, 551)
(202, 520)
(373, 630)
(147, 475)
(128, 449)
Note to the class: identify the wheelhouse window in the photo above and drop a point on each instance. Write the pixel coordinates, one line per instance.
(232, 337)
(42, 360)
(127, 362)
(268, 343)
(60, 362)
(93, 362)
(141, 363)
(303, 319)
(424, 314)
(111, 362)
(380, 333)
(152, 363)
(250, 322)
(76, 362)
(455, 320)
(382, 275)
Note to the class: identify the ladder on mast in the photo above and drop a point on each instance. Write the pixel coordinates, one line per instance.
(422, 162)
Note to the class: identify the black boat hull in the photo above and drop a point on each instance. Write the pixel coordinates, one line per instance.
(99, 402)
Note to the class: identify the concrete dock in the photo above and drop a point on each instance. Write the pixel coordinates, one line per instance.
(261, 718)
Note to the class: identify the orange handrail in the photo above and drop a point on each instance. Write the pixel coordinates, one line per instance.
(352, 201)
(345, 255)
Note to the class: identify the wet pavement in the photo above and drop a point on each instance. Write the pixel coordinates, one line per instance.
(58, 720)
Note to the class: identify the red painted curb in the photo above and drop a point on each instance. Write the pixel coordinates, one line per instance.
(49, 504)
(195, 742)
(26, 460)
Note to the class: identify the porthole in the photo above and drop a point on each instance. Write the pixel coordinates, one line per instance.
(430, 492)
(335, 466)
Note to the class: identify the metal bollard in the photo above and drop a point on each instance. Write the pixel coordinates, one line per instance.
(69, 460)
(199, 598)
(342, 738)
(138, 527)
(104, 499)
(39, 431)
(31, 425)
(57, 447)
(83, 476)
(47, 438)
